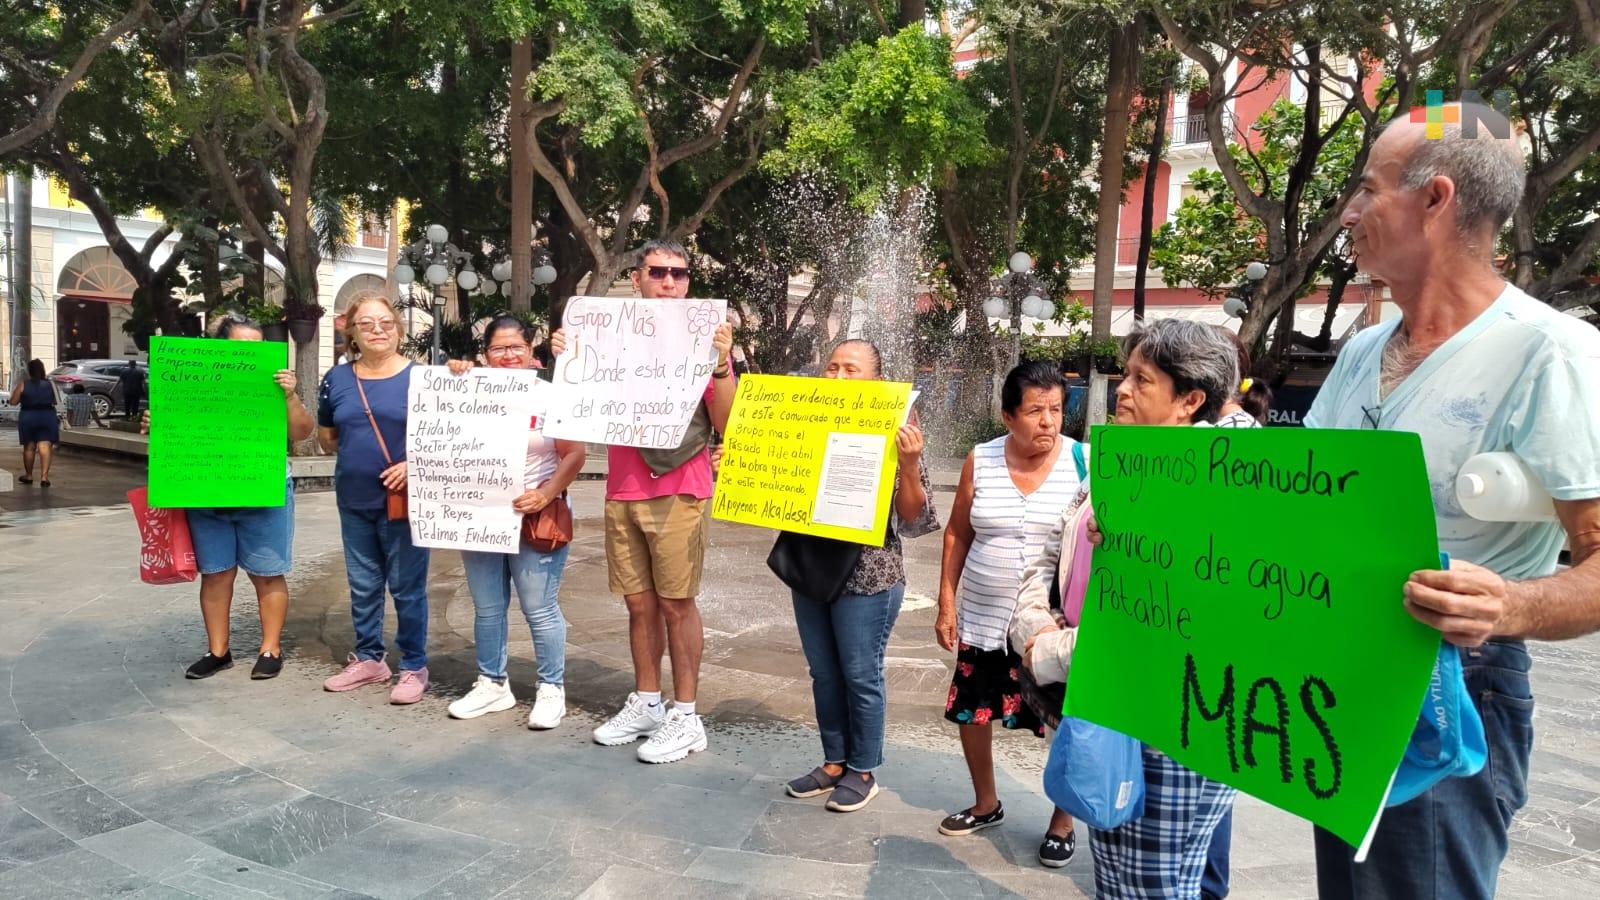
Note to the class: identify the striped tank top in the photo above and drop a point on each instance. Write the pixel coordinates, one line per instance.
(1009, 531)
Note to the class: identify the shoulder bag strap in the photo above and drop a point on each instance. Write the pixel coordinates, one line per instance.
(374, 422)
(1077, 460)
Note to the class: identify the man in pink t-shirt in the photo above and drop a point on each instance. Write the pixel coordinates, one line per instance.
(656, 548)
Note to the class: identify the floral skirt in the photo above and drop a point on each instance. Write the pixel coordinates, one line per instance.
(985, 689)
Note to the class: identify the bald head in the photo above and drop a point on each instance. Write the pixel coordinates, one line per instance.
(1487, 171)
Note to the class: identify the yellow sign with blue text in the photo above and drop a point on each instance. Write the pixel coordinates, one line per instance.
(812, 455)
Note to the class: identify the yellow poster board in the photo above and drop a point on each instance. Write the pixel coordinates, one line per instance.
(812, 455)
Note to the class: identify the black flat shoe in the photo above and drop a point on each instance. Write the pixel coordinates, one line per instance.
(45, 483)
(208, 665)
(23, 480)
(267, 666)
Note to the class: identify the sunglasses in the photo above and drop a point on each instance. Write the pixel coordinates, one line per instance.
(660, 273)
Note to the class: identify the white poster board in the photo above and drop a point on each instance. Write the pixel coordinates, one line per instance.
(633, 371)
(467, 455)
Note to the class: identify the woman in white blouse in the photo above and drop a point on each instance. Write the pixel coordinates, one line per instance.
(1012, 492)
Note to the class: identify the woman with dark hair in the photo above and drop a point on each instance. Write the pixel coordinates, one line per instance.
(38, 426)
(1248, 406)
(536, 574)
(844, 641)
(1178, 373)
(1011, 493)
(259, 540)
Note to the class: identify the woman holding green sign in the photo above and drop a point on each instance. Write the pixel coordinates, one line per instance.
(362, 416)
(844, 637)
(258, 540)
(1178, 373)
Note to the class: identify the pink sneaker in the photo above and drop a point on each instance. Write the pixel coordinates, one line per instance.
(359, 673)
(410, 687)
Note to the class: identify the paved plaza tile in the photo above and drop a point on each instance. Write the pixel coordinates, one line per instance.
(120, 778)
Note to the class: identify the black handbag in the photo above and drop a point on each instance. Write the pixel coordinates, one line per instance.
(813, 567)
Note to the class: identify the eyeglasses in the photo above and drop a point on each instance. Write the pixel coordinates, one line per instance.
(660, 273)
(503, 352)
(371, 325)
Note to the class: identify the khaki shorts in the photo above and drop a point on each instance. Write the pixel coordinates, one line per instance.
(657, 545)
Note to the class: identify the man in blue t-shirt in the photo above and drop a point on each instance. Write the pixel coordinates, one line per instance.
(1474, 365)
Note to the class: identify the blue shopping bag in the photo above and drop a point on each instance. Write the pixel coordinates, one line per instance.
(1448, 739)
(1095, 774)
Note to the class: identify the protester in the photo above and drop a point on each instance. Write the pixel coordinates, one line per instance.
(38, 425)
(361, 414)
(551, 467)
(655, 518)
(132, 381)
(80, 407)
(1013, 489)
(259, 540)
(1473, 365)
(1248, 406)
(844, 640)
(1178, 372)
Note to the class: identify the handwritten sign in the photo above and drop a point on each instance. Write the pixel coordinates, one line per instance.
(219, 431)
(812, 455)
(634, 371)
(467, 450)
(1244, 613)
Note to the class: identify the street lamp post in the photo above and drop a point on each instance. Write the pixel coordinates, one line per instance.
(439, 260)
(1019, 293)
(1239, 303)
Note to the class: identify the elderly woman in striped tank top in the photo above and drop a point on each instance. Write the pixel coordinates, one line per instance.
(1013, 489)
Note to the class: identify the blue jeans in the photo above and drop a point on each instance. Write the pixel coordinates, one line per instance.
(1214, 884)
(537, 577)
(844, 642)
(259, 540)
(379, 553)
(1449, 842)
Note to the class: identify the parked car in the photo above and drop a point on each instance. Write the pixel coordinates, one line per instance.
(100, 377)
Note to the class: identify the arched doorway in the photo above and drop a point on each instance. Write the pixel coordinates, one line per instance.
(353, 291)
(96, 294)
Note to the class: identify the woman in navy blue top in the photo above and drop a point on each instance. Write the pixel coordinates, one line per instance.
(378, 552)
(38, 426)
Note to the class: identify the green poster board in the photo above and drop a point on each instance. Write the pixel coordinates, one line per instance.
(219, 432)
(1244, 614)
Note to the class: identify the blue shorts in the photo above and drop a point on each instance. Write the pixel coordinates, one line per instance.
(256, 539)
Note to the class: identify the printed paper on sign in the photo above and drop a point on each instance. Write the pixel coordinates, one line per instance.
(851, 466)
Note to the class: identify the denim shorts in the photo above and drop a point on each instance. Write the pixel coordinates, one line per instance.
(256, 539)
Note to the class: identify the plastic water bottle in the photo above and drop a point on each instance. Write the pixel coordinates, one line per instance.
(1499, 487)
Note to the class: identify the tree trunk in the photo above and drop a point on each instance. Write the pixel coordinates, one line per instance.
(21, 207)
(1147, 209)
(392, 254)
(1121, 75)
(521, 178)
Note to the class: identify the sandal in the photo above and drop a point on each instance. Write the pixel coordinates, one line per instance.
(964, 822)
(812, 784)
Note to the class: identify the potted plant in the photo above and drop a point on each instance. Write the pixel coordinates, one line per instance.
(302, 319)
(1107, 356)
(269, 316)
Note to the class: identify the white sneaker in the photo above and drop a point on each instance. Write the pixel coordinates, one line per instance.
(634, 721)
(679, 736)
(549, 706)
(485, 697)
